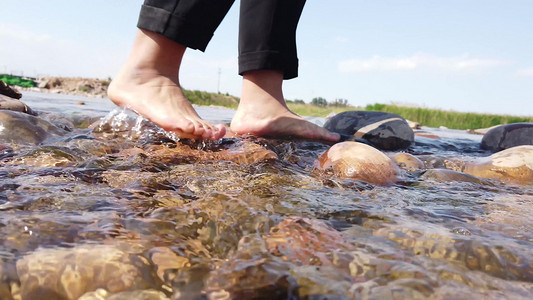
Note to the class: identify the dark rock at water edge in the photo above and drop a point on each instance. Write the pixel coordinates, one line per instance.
(508, 136)
(382, 130)
(21, 128)
(8, 103)
(8, 91)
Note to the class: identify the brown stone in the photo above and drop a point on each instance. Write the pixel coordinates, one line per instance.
(305, 241)
(166, 260)
(9, 91)
(445, 175)
(407, 161)
(69, 273)
(242, 152)
(511, 165)
(359, 161)
(22, 128)
(427, 135)
(480, 131)
(8, 103)
(413, 124)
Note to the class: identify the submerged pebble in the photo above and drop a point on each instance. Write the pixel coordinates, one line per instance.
(407, 161)
(69, 273)
(21, 128)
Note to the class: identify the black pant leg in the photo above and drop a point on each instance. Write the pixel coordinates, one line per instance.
(188, 22)
(267, 35)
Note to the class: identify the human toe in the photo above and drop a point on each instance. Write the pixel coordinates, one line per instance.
(219, 131)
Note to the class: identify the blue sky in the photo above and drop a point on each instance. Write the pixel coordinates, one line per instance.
(472, 56)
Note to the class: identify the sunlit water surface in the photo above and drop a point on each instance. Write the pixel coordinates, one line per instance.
(95, 214)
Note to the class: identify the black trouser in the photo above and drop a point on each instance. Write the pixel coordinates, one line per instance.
(267, 29)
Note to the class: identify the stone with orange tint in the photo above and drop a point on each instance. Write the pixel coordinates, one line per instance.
(512, 165)
(359, 161)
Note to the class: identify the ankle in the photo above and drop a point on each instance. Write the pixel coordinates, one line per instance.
(261, 87)
(154, 54)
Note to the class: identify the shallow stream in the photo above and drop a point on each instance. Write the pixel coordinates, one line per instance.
(120, 211)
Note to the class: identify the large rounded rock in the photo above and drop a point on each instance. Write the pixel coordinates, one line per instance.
(359, 161)
(21, 128)
(511, 165)
(8, 103)
(506, 136)
(383, 130)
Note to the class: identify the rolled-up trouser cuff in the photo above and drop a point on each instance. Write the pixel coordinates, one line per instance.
(173, 27)
(268, 60)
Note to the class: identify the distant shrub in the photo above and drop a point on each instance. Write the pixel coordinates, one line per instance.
(14, 80)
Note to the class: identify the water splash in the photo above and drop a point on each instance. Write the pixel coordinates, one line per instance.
(119, 121)
(114, 121)
(138, 126)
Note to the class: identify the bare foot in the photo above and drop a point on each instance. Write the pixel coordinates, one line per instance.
(148, 84)
(262, 111)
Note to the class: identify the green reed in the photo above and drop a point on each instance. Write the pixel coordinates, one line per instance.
(206, 98)
(318, 111)
(450, 119)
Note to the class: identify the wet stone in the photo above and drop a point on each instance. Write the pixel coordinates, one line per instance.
(101, 294)
(507, 136)
(9, 91)
(7, 103)
(306, 242)
(166, 261)
(242, 152)
(513, 165)
(445, 175)
(321, 282)
(51, 156)
(385, 131)
(407, 161)
(8, 280)
(21, 128)
(359, 161)
(250, 273)
(69, 273)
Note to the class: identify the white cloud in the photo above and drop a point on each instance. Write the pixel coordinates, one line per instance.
(417, 61)
(30, 52)
(525, 72)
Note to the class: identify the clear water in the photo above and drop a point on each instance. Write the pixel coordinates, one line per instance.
(122, 211)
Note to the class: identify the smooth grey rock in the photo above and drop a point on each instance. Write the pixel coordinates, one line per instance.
(508, 136)
(382, 130)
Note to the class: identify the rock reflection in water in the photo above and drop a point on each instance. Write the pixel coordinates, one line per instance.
(119, 210)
